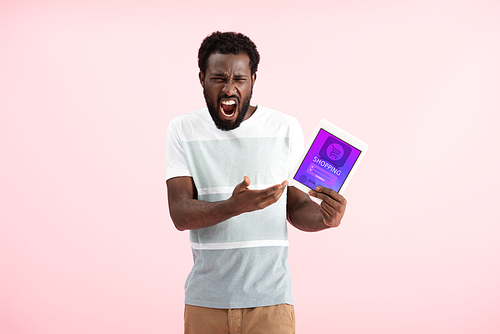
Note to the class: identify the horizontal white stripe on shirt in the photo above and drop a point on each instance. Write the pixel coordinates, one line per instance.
(240, 244)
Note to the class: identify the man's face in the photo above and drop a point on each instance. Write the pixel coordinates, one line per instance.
(227, 87)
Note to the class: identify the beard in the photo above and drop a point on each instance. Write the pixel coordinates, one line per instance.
(213, 109)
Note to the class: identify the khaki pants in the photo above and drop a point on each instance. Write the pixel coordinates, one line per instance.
(276, 319)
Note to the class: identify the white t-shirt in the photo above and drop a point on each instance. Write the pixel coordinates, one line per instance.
(243, 261)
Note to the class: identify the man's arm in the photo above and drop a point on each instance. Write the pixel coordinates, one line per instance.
(308, 216)
(188, 213)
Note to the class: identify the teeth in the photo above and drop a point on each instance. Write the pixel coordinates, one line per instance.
(228, 103)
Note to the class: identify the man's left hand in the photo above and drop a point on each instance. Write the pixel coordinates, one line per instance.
(332, 207)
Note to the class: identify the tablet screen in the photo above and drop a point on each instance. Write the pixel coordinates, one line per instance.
(327, 163)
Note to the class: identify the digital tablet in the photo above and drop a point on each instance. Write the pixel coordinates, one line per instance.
(329, 160)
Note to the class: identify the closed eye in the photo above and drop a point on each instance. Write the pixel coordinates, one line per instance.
(219, 79)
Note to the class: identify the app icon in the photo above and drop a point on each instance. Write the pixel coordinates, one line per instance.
(311, 183)
(335, 151)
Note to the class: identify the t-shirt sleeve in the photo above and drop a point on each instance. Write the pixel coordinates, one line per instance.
(176, 159)
(296, 144)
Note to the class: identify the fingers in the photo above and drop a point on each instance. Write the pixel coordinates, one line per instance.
(272, 194)
(328, 195)
(243, 185)
(332, 207)
(250, 200)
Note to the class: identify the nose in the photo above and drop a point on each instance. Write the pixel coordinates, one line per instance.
(229, 88)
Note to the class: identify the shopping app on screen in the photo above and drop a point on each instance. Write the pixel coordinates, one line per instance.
(327, 163)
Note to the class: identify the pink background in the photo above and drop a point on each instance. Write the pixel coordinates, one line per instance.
(87, 89)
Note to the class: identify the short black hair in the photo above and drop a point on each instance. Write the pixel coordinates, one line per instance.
(228, 43)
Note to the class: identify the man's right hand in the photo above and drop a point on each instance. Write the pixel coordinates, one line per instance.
(247, 200)
(189, 213)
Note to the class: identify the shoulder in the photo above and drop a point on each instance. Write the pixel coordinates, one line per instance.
(190, 125)
(194, 117)
(274, 118)
(279, 122)
(276, 115)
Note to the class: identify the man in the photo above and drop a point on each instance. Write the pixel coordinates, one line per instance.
(227, 166)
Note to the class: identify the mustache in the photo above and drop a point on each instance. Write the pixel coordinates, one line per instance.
(225, 96)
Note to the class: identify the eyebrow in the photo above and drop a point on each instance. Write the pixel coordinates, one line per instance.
(221, 74)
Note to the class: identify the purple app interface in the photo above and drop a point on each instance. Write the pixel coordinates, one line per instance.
(327, 163)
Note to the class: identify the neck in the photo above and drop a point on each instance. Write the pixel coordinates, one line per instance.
(251, 110)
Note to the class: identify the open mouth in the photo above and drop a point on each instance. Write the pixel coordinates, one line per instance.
(228, 109)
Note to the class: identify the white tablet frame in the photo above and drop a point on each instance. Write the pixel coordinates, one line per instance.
(340, 134)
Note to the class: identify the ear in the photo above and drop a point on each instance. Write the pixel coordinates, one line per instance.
(202, 79)
(254, 77)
